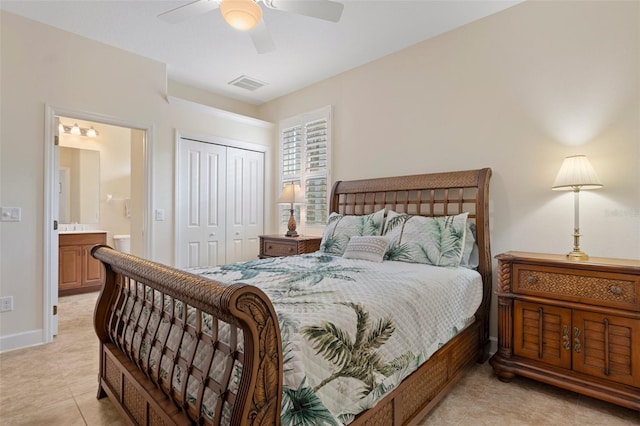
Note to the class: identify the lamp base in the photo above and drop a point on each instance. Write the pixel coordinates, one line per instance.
(291, 225)
(577, 255)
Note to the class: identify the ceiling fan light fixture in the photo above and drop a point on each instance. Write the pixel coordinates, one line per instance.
(241, 14)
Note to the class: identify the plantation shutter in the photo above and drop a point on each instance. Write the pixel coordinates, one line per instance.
(305, 160)
(292, 148)
(316, 171)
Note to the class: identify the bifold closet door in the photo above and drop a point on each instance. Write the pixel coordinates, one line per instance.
(201, 195)
(245, 203)
(220, 194)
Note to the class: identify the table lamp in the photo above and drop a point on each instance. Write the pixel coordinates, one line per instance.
(292, 193)
(576, 173)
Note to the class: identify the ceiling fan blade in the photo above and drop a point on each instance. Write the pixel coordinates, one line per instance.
(321, 9)
(262, 38)
(188, 10)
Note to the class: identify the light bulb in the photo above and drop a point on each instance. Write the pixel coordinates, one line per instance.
(75, 130)
(241, 14)
(92, 133)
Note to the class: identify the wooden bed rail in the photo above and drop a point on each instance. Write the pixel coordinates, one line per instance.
(165, 330)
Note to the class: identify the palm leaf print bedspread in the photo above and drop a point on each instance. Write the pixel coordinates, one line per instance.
(352, 330)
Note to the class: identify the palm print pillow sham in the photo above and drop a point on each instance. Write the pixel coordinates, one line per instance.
(340, 228)
(437, 241)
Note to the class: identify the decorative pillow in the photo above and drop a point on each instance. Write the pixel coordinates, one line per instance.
(368, 247)
(436, 241)
(470, 255)
(340, 228)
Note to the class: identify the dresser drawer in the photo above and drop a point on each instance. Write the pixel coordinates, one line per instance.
(601, 288)
(280, 248)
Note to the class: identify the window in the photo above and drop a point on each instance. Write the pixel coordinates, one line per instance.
(305, 159)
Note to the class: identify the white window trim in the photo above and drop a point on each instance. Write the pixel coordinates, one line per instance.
(301, 119)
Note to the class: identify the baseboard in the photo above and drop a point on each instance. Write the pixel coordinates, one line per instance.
(21, 340)
(493, 345)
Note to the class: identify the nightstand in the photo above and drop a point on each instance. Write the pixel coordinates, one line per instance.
(572, 324)
(279, 245)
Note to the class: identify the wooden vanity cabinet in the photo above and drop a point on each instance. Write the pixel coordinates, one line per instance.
(78, 272)
(572, 324)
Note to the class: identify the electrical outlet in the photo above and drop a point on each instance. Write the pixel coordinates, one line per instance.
(6, 304)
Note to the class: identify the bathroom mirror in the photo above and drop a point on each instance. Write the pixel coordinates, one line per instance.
(79, 186)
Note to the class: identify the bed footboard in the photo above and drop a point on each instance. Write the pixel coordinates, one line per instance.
(179, 349)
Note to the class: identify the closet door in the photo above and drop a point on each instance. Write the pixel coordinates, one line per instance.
(201, 194)
(245, 203)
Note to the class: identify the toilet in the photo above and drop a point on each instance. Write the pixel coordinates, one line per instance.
(122, 243)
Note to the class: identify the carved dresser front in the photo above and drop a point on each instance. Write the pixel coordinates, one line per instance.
(572, 324)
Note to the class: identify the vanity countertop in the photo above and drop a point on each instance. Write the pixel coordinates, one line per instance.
(83, 231)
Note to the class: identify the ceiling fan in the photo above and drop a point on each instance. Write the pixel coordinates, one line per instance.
(246, 15)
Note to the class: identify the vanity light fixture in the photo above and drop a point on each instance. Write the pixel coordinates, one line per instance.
(78, 131)
(576, 173)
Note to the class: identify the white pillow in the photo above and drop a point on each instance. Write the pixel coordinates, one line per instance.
(470, 256)
(368, 247)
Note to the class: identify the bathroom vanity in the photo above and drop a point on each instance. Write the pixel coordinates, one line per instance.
(78, 272)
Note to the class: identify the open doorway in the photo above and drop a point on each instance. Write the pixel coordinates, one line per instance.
(97, 185)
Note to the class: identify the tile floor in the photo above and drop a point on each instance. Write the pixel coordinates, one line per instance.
(56, 384)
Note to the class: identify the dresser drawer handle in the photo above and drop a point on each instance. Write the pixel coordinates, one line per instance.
(269, 247)
(565, 337)
(615, 289)
(577, 346)
(531, 279)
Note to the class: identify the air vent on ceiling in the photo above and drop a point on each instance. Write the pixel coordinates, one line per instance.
(248, 83)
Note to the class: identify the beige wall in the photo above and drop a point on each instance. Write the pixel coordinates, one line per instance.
(517, 91)
(41, 65)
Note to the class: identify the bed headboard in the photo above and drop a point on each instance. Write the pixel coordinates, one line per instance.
(431, 194)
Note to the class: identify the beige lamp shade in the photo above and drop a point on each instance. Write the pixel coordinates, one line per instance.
(292, 194)
(576, 172)
(241, 14)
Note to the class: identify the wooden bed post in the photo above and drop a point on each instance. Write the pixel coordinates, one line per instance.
(101, 313)
(485, 265)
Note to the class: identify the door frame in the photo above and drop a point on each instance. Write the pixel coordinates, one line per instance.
(50, 246)
(216, 140)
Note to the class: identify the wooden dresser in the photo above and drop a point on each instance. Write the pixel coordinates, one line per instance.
(78, 272)
(279, 245)
(572, 324)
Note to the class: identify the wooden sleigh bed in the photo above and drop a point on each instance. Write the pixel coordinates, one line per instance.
(135, 288)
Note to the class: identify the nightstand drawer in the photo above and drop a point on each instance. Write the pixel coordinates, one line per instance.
(605, 289)
(280, 248)
(278, 245)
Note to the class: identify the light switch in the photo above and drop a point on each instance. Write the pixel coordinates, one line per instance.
(11, 214)
(159, 214)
